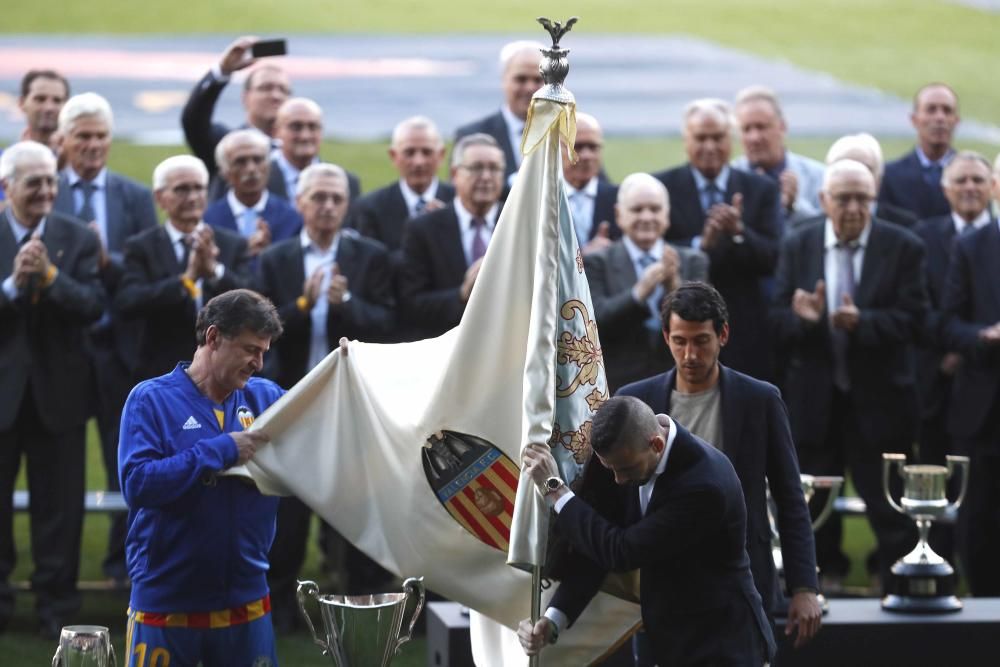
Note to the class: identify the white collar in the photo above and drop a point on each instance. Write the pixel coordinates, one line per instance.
(410, 196)
(309, 246)
(100, 181)
(662, 464)
(981, 221)
(19, 230)
(513, 122)
(174, 233)
(635, 252)
(237, 207)
(465, 217)
(830, 238)
(721, 180)
(590, 189)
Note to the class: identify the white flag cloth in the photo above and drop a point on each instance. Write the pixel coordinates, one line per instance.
(410, 451)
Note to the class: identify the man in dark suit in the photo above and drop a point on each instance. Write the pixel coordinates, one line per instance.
(679, 519)
(51, 292)
(732, 216)
(629, 279)
(115, 208)
(849, 301)
(172, 269)
(591, 199)
(746, 419)
(265, 89)
(248, 208)
(520, 78)
(443, 250)
(913, 182)
(327, 283)
(972, 311)
(416, 151)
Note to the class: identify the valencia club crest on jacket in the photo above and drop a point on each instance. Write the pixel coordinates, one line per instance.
(476, 483)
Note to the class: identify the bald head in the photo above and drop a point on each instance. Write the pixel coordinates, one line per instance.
(589, 147)
(861, 147)
(520, 75)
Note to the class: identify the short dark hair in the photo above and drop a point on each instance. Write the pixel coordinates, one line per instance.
(695, 302)
(928, 86)
(32, 74)
(236, 311)
(248, 82)
(621, 421)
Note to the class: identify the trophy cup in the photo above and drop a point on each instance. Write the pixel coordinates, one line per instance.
(810, 484)
(362, 630)
(84, 646)
(923, 582)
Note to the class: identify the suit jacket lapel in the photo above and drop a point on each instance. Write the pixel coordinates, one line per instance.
(64, 196)
(114, 208)
(276, 180)
(8, 246)
(165, 249)
(991, 250)
(814, 264)
(871, 266)
(622, 269)
(451, 243)
(732, 416)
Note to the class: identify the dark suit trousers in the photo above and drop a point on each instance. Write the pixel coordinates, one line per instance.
(847, 449)
(979, 516)
(56, 484)
(112, 384)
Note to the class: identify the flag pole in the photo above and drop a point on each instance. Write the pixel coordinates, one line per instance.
(536, 606)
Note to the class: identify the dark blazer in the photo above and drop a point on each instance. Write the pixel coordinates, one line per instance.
(283, 220)
(903, 186)
(697, 596)
(892, 301)
(604, 210)
(972, 302)
(42, 342)
(630, 349)
(201, 134)
(431, 274)
(495, 126)
(151, 291)
(130, 210)
(758, 441)
(382, 214)
(737, 270)
(368, 316)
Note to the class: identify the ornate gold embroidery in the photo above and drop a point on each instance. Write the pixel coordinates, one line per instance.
(577, 442)
(579, 260)
(584, 352)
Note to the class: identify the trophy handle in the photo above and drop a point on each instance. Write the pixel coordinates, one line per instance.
(888, 459)
(310, 589)
(112, 656)
(833, 483)
(960, 463)
(57, 658)
(410, 585)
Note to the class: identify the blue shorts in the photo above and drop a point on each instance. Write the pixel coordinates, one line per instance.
(214, 639)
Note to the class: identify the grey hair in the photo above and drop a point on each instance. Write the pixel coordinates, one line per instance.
(475, 139)
(843, 168)
(845, 146)
(760, 94)
(711, 106)
(175, 163)
(415, 123)
(246, 136)
(963, 156)
(639, 179)
(21, 152)
(514, 49)
(82, 105)
(314, 171)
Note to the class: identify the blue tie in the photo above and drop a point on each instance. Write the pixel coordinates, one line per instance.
(932, 174)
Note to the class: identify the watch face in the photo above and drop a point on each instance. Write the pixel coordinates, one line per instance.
(553, 483)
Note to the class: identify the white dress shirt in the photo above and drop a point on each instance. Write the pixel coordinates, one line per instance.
(582, 204)
(98, 200)
(411, 198)
(831, 264)
(315, 258)
(240, 212)
(515, 128)
(980, 222)
(468, 232)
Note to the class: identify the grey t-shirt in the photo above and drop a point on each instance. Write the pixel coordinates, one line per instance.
(700, 413)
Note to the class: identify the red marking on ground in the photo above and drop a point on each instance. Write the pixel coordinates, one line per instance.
(190, 66)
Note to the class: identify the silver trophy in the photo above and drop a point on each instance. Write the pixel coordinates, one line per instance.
(810, 484)
(84, 646)
(362, 630)
(923, 582)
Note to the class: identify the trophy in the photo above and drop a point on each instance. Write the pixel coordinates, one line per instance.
(922, 581)
(84, 646)
(362, 630)
(810, 484)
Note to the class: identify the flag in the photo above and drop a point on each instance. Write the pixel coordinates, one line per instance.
(412, 451)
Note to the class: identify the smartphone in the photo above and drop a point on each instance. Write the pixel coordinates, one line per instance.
(269, 47)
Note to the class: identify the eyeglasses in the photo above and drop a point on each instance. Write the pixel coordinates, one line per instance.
(300, 126)
(188, 189)
(321, 198)
(272, 87)
(479, 169)
(843, 200)
(581, 146)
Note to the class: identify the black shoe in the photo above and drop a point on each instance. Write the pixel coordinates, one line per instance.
(50, 628)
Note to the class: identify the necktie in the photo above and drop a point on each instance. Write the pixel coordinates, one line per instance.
(419, 207)
(713, 195)
(845, 285)
(86, 212)
(653, 300)
(478, 244)
(185, 242)
(932, 174)
(249, 222)
(968, 229)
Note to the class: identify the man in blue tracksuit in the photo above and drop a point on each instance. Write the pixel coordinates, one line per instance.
(197, 541)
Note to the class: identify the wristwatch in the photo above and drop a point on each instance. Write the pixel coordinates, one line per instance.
(553, 484)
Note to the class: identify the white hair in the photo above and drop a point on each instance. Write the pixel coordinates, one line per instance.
(250, 135)
(176, 163)
(637, 180)
(513, 49)
(83, 105)
(21, 153)
(314, 171)
(959, 158)
(415, 123)
(760, 94)
(850, 145)
(846, 167)
(710, 106)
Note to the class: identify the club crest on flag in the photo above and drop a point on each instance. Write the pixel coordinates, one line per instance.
(476, 483)
(244, 416)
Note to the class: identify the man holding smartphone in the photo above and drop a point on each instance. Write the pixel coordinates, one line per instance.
(265, 89)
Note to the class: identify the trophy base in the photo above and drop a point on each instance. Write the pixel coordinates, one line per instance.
(922, 588)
